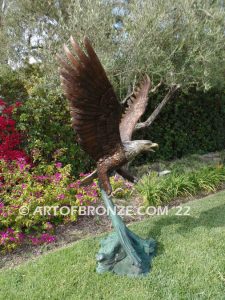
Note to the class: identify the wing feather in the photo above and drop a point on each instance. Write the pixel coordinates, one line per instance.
(136, 107)
(95, 110)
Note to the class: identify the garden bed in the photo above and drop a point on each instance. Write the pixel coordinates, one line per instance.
(83, 228)
(190, 268)
(67, 232)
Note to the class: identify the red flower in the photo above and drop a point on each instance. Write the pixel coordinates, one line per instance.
(10, 137)
(2, 103)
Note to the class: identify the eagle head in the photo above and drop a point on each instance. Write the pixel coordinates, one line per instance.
(133, 148)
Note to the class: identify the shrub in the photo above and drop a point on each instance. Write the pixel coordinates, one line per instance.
(158, 190)
(27, 190)
(24, 186)
(46, 119)
(12, 87)
(192, 123)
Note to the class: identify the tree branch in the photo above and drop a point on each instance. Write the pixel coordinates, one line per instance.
(153, 90)
(156, 112)
(129, 94)
(124, 101)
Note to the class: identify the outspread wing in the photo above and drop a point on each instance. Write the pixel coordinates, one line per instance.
(136, 107)
(95, 110)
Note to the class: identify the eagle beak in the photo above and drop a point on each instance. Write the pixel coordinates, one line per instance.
(153, 145)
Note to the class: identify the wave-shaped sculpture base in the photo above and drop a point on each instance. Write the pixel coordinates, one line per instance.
(123, 252)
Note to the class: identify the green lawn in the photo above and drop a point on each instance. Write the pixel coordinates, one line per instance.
(190, 263)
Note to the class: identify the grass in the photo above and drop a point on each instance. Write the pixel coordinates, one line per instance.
(190, 263)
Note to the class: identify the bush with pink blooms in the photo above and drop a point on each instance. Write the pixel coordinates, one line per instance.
(26, 191)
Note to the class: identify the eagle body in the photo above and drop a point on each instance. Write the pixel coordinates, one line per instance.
(108, 164)
(102, 129)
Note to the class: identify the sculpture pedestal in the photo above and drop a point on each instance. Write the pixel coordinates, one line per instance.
(112, 257)
(123, 252)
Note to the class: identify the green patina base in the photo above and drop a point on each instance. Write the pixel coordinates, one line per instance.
(112, 257)
(123, 252)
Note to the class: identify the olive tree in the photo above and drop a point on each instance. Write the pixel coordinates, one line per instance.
(178, 43)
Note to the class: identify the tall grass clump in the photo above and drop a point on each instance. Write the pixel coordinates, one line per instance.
(158, 190)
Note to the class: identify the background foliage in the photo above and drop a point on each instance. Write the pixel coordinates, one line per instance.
(179, 42)
(190, 176)
(191, 123)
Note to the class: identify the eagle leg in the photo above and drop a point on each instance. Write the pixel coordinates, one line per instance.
(125, 174)
(107, 165)
(103, 177)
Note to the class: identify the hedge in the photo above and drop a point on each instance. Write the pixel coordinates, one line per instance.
(190, 123)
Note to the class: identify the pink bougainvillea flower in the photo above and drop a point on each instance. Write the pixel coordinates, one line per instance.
(47, 238)
(58, 177)
(72, 185)
(79, 196)
(61, 196)
(42, 177)
(58, 165)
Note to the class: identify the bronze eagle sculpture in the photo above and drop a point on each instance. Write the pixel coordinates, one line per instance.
(103, 130)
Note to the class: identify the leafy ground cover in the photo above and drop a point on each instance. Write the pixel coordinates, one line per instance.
(189, 177)
(189, 263)
(26, 193)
